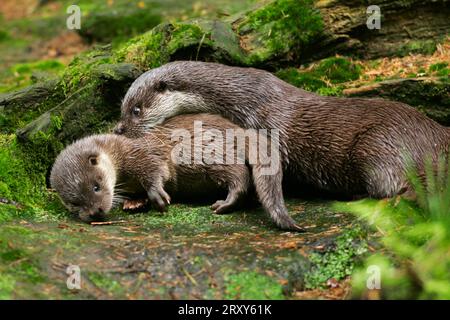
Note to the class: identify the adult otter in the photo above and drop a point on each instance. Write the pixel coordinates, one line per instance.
(353, 146)
(86, 173)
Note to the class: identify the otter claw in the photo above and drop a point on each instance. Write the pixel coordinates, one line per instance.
(160, 199)
(221, 207)
(164, 196)
(293, 227)
(297, 228)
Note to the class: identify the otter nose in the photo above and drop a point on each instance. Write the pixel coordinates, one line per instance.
(119, 129)
(97, 215)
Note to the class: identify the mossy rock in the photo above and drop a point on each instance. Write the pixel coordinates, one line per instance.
(279, 31)
(194, 40)
(262, 37)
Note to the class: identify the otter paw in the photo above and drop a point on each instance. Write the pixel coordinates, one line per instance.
(159, 198)
(134, 204)
(285, 222)
(221, 207)
(291, 226)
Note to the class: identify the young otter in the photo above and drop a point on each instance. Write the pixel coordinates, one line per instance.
(86, 173)
(348, 146)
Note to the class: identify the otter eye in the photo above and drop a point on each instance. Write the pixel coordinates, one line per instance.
(96, 188)
(136, 111)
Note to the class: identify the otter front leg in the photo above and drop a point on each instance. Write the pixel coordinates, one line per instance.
(270, 193)
(159, 198)
(156, 194)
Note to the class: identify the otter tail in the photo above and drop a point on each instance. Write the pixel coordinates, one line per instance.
(270, 193)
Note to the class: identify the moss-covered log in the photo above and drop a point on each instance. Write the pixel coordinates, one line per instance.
(407, 26)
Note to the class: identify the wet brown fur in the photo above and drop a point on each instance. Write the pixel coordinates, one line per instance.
(143, 164)
(350, 146)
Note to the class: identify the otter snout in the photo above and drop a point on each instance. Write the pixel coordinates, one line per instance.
(119, 128)
(93, 215)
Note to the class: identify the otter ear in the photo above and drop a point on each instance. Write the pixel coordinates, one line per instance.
(160, 86)
(93, 159)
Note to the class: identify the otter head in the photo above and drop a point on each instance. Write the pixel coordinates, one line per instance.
(84, 178)
(155, 96)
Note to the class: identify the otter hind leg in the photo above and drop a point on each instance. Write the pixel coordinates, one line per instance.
(379, 164)
(227, 205)
(237, 179)
(270, 194)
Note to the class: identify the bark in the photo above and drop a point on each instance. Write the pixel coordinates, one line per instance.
(406, 26)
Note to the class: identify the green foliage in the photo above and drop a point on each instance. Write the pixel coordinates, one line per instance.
(251, 285)
(4, 35)
(416, 235)
(336, 263)
(24, 74)
(338, 69)
(440, 69)
(44, 65)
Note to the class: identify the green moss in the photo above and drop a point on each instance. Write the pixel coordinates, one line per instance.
(106, 283)
(252, 286)
(418, 46)
(4, 36)
(80, 69)
(16, 261)
(331, 91)
(273, 30)
(324, 77)
(440, 69)
(45, 65)
(195, 219)
(338, 70)
(279, 28)
(145, 51)
(305, 80)
(17, 183)
(7, 285)
(338, 262)
(184, 34)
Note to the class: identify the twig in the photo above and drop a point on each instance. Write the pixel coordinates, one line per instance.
(107, 223)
